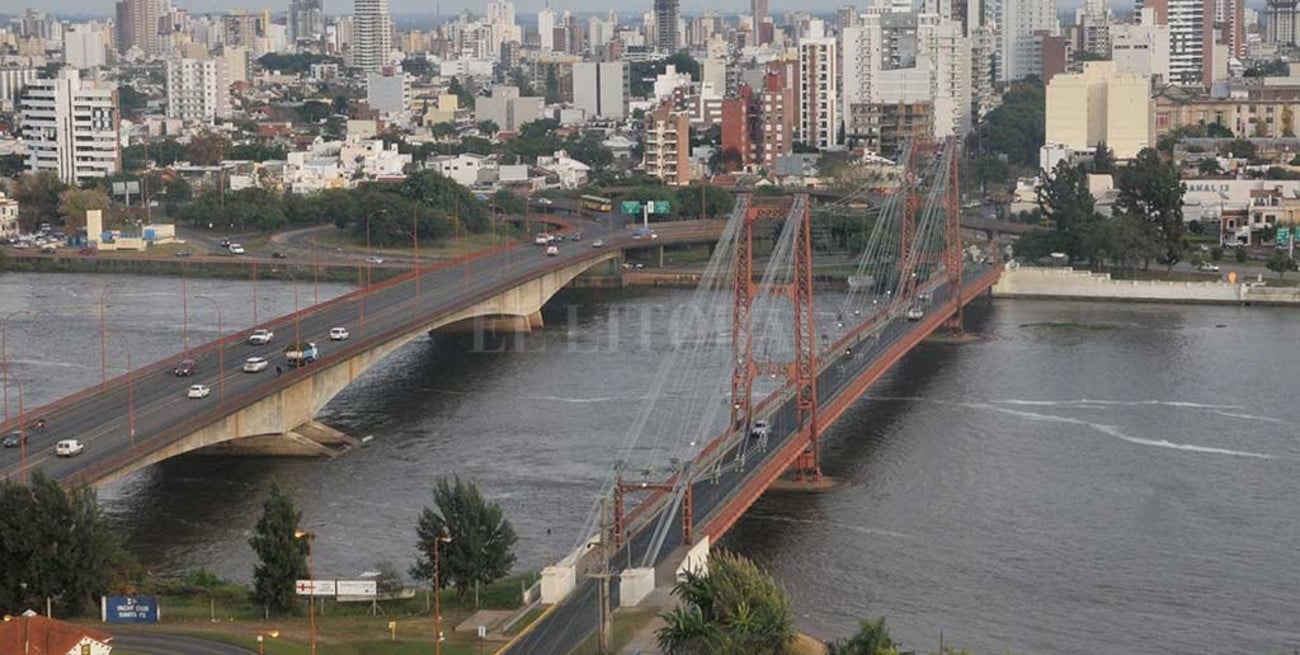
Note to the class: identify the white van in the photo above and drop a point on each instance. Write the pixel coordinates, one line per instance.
(68, 448)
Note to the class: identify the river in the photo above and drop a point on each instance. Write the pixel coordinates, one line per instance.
(1086, 478)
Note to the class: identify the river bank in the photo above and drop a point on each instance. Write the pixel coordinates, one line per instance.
(1065, 283)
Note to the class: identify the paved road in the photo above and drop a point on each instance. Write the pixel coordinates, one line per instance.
(161, 644)
(154, 405)
(577, 616)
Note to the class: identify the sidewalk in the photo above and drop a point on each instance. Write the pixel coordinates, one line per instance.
(644, 642)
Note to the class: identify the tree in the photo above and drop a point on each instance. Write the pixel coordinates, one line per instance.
(1151, 191)
(488, 127)
(55, 544)
(1241, 256)
(1216, 253)
(1279, 263)
(482, 543)
(735, 608)
(1122, 239)
(872, 638)
(1103, 159)
(1209, 166)
(1241, 149)
(207, 149)
(130, 100)
(38, 197)
(463, 95)
(281, 556)
(315, 111)
(74, 203)
(710, 200)
(1017, 128)
(1068, 203)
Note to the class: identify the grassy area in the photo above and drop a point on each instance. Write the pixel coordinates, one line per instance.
(626, 624)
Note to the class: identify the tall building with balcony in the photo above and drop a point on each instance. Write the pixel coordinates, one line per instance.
(819, 92)
(372, 34)
(197, 91)
(70, 127)
(666, 28)
(138, 26)
(306, 20)
(668, 145)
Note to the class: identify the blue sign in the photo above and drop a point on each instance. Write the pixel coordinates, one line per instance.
(130, 609)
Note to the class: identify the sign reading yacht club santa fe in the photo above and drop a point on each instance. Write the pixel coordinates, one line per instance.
(129, 609)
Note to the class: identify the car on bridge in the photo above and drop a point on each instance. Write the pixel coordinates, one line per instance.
(69, 448)
(373, 259)
(15, 439)
(761, 429)
(255, 364)
(552, 251)
(339, 334)
(260, 337)
(915, 314)
(236, 249)
(598, 243)
(279, 255)
(198, 391)
(185, 368)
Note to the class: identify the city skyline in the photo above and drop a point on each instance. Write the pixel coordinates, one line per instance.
(420, 8)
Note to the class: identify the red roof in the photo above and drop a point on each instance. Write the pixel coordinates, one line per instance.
(37, 635)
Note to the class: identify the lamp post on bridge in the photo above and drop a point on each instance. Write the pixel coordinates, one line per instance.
(221, 348)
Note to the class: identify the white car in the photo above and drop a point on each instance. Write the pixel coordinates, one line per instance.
(339, 334)
(198, 391)
(375, 260)
(597, 244)
(68, 448)
(260, 337)
(915, 314)
(255, 364)
(236, 249)
(1208, 268)
(545, 201)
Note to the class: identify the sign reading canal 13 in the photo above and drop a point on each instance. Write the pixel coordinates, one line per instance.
(129, 609)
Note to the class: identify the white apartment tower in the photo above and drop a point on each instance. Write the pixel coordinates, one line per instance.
(819, 96)
(1019, 20)
(70, 127)
(546, 29)
(372, 34)
(196, 90)
(1191, 42)
(949, 54)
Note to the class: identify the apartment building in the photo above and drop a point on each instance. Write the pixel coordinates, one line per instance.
(70, 127)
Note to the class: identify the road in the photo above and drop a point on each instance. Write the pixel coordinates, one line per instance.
(161, 644)
(577, 616)
(149, 408)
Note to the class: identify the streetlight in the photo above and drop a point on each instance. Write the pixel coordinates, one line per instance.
(261, 649)
(437, 595)
(221, 347)
(310, 537)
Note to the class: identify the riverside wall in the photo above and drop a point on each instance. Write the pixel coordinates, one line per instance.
(1067, 283)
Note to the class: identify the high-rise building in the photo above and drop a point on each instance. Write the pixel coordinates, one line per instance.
(601, 89)
(306, 20)
(388, 91)
(245, 29)
(196, 90)
(139, 24)
(84, 48)
(1281, 19)
(372, 34)
(1191, 42)
(818, 111)
(1141, 48)
(508, 109)
(666, 28)
(13, 79)
(1099, 105)
(1230, 23)
(70, 127)
(1019, 22)
(668, 145)
(546, 29)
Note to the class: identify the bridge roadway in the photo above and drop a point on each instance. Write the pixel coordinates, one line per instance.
(154, 399)
(719, 499)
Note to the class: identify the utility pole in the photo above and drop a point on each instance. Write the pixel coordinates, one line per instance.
(606, 640)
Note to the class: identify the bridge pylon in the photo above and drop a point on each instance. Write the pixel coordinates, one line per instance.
(952, 252)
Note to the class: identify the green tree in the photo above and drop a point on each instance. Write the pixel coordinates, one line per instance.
(1068, 203)
(464, 95)
(38, 197)
(488, 127)
(1241, 149)
(1103, 159)
(207, 149)
(1017, 127)
(507, 202)
(130, 100)
(315, 111)
(1279, 263)
(1150, 190)
(1241, 255)
(735, 608)
(55, 544)
(74, 203)
(712, 201)
(482, 542)
(553, 95)
(294, 63)
(1209, 166)
(281, 555)
(872, 638)
(1123, 240)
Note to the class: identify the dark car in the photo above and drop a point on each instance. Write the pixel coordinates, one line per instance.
(186, 368)
(225, 243)
(183, 253)
(14, 439)
(279, 255)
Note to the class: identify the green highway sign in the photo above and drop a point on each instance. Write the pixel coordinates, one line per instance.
(660, 207)
(631, 207)
(1284, 234)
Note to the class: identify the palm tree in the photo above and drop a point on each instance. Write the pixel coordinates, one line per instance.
(733, 609)
(872, 638)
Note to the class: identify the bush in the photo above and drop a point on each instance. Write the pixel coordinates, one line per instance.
(1241, 256)
(1216, 253)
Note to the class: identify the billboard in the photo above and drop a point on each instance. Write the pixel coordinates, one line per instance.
(314, 587)
(129, 609)
(357, 588)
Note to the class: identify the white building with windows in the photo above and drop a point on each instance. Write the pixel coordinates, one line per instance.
(197, 91)
(8, 216)
(1020, 20)
(819, 117)
(70, 127)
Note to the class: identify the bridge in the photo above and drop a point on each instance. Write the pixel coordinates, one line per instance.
(143, 417)
(762, 369)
